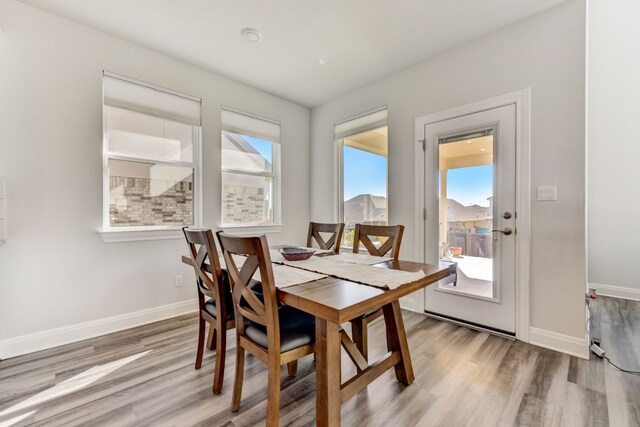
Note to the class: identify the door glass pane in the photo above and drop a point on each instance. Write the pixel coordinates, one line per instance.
(466, 214)
(143, 194)
(246, 199)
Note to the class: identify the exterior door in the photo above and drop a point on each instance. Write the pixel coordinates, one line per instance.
(470, 200)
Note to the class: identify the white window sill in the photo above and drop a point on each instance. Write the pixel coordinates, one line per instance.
(116, 235)
(251, 230)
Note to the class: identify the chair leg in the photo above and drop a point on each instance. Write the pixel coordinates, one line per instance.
(211, 339)
(200, 352)
(237, 385)
(221, 353)
(292, 368)
(360, 336)
(273, 405)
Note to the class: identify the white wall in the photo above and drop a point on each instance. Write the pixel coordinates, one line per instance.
(545, 52)
(614, 147)
(55, 271)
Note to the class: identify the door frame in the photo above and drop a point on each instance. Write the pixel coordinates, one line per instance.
(522, 101)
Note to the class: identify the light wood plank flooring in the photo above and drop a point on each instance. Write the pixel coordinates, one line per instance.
(145, 376)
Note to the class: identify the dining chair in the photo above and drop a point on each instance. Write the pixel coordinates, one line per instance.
(276, 335)
(392, 236)
(214, 299)
(334, 241)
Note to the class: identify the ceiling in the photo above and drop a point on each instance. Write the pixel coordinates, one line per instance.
(310, 50)
(466, 153)
(374, 141)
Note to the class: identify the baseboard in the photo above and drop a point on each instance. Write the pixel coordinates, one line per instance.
(30, 343)
(413, 302)
(407, 303)
(563, 343)
(616, 291)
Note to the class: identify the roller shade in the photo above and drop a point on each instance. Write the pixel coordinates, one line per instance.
(247, 124)
(122, 92)
(361, 124)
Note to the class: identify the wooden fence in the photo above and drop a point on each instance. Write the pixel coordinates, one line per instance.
(472, 244)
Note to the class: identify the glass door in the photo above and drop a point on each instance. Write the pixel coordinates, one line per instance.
(470, 189)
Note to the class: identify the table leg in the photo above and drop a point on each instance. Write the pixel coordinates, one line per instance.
(397, 340)
(328, 379)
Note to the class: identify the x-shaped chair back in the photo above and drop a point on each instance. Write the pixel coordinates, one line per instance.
(316, 228)
(393, 233)
(202, 246)
(255, 256)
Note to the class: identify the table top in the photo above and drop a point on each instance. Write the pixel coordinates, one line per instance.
(339, 300)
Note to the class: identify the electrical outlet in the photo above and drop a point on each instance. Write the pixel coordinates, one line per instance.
(177, 281)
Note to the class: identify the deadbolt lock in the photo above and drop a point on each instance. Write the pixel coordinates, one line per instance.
(507, 215)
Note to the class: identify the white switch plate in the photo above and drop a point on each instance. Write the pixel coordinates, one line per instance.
(548, 192)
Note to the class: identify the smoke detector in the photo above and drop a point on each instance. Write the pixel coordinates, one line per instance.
(251, 34)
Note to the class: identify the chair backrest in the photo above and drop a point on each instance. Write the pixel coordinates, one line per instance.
(316, 228)
(393, 233)
(202, 247)
(255, 256)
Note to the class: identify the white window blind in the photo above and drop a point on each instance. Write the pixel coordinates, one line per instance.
(362, 123)
(130, 94)
(245, 124)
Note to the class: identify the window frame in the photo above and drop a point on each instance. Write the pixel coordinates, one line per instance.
(276, 175)
(111, 234)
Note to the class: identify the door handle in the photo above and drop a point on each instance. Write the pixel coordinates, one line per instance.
(506, 231)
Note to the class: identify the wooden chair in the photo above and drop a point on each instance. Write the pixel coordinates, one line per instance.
(362, 233)
(316, 228)
(276, 335)
(214, 299)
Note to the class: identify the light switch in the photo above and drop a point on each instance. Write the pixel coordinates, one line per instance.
(548, 192)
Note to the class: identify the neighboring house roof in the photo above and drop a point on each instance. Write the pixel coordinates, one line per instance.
(243, 144)
(366, 208)
(458, 212)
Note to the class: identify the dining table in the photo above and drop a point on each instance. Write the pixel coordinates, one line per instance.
(334, 301)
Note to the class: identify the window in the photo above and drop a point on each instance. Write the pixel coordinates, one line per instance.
(250, 170)
(151, 147)
(362, 153)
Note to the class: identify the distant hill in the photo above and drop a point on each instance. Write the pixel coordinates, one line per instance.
(366, 208)
(456, 211)
(373, 209)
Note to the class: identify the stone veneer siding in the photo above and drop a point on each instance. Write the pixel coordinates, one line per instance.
(243, 204)
(138, 207)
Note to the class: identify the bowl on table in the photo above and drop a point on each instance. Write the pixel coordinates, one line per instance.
(296, 254)
(456, 251)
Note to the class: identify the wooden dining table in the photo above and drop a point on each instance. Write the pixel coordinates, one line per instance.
(334, 301)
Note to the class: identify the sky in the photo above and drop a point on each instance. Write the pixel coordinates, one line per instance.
(364, 173)
(470, 185)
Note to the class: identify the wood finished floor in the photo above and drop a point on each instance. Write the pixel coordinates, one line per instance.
(145, 376)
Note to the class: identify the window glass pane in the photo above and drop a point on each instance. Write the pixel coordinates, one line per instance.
(149, 137)
(142, 194)
(364, 180)
(246, 153)
(246, 199)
